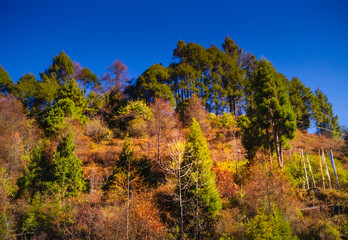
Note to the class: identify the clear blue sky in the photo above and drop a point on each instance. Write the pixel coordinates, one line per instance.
(306, 39)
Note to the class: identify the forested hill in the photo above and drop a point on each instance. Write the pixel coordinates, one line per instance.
(212, 146)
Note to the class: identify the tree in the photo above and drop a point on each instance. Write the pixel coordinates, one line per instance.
(234, 75)
(85, 76)
(62, 68)
(193, 79)
(162, 123)
(301, 99)
(6, 84)
(151, 84)
(326, 122)
(194, 110)
(179, 171)
(60, 176)
(66, 171)
(27, 89)
(269, 226)
(17, 136)
(37, 173)
(202, 196)
(216, 71)
(116, 76)
(132, 117)
(70, 90)
(273, 118)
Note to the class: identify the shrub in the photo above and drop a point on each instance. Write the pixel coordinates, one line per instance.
(97, 130)
(269, 226)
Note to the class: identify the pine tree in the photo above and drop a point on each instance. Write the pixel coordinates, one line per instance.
(326, 122)
(273, 117)
(86, 77)
(151, 84)
(6, 84)
(202, 200)
(72, 91)
(37, 174)
(301, 99)
(125, 160)
(66, 170)
(62, 68)
(234, 74)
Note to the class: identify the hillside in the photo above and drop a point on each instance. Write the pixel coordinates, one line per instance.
(212, 146)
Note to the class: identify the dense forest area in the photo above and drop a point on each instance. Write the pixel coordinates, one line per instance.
(212, 146)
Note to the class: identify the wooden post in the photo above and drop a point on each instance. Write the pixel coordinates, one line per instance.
(321, 168)
(327, 170)
(310, 169)
(304, 166)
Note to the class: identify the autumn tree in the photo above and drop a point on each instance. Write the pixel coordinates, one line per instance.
(162, 124)
(202, 197)
(194, 110)
(18, 135)
(116, 76)
(179, 171)
(132, 118)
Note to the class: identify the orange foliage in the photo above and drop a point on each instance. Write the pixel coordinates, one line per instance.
(224, 182)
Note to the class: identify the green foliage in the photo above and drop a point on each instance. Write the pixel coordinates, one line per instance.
(95, 102)
(66, 170)
(326, 122)
(201, 181)
(62, 68)
(88, 78)
(127, 163)
(269, 226)
(321, 230)
(7, 193)
(71, 103)
(6, 84)
(132, 117)
(152, 83)
(54, 121)
(294, 167)
(72, 91)
(60, 176)
(273, 118)
(45, 218)
(37, 174)
(301, 99)
(27, 90)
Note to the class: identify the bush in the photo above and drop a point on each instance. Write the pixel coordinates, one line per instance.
(269, 226)
(132, 118)
(97, 130)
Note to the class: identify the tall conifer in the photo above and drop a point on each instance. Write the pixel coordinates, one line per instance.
(202, 198)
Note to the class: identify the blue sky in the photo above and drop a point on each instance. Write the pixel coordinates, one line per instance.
(306, 39)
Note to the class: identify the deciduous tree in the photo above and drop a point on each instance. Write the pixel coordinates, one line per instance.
(162, 124)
